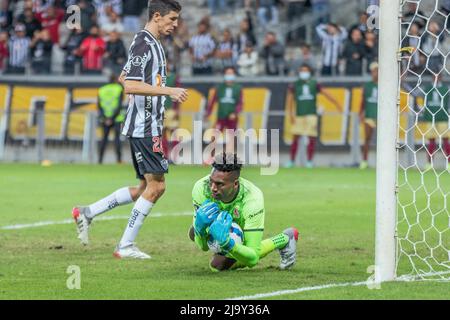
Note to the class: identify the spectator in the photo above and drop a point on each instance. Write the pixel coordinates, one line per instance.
(202, 48)
(267, 13)
(273, 53)
(32, 24)
(50, 19)
(92, 50)
(414, 14)
(305, 56)
(3, 50)
(88, 16)
(362, 25)
(104, 9)
(246, 33)
(116, 53)
(71, 47)
(354, 52)
(4, 15)
(131, 13)
(248, 61)
(412, 39)
(226, 52)
(216, 6)
(41, 52)
(295, 12)
(114, 24)
(371, 44)
(430, 46)
(321, 11)
(19, 46)
(332, 37)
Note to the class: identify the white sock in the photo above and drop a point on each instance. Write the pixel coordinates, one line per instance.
(117, 198)
(140, 211)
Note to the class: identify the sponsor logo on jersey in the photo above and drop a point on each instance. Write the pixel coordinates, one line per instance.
(251, 216)
(138, 156)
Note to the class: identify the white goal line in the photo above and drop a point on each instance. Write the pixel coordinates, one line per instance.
(106, 218)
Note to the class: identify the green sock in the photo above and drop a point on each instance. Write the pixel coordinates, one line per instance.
(277, 242)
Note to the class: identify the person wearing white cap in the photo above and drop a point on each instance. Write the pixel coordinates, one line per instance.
(19, 46)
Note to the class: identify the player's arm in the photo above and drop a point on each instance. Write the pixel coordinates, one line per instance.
(133, 82)
(363, 108)
(211, 103)
(247, 254)
(144, 89)
(291, 109)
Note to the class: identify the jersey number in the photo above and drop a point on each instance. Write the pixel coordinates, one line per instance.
(157, 145)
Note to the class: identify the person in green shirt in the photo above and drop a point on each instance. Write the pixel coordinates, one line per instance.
(368, 112)
(229, 97)
(171, 117)
(224, 197)
(435, 113)
(303, 112)
(112, 115)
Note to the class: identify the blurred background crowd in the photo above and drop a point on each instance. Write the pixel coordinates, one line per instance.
(257, 37)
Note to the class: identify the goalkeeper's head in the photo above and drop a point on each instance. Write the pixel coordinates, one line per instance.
(224, 178)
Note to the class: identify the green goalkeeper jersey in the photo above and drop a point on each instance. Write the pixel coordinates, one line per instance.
(247, 209)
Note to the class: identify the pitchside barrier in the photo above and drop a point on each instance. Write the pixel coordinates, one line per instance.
(56, 117)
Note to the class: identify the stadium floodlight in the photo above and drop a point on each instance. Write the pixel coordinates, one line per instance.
(413, 177)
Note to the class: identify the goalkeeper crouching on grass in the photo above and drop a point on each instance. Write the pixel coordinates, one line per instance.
(224, 197)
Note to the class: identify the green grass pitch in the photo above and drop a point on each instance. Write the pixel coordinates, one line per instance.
(334, 210)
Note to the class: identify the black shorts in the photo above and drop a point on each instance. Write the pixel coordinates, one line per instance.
(148, 156)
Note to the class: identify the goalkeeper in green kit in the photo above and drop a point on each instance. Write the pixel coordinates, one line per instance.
(224, 197)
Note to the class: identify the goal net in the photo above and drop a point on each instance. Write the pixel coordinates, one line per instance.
(423, 147)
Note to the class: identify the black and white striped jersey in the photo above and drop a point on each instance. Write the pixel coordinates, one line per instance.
(19, 49)
(146, 62)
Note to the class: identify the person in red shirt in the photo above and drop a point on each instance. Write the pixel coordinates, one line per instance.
(3, 49)
(91, 50)
(50, 19)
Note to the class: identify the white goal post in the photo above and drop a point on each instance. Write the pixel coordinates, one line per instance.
(386, 200)
(412, 238)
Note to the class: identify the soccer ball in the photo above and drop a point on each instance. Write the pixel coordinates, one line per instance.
(235, 233)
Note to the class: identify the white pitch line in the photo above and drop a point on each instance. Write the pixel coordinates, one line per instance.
(298, 290)
(70, 221)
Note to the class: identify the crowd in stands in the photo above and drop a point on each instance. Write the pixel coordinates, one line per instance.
(30, 31)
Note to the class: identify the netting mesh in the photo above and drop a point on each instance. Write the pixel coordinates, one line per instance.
(423, 225)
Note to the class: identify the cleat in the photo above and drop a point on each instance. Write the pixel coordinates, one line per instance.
(289, 252)
(289, 164)
(363, 165)
(309, 164)
(130, 252)
(82, 222)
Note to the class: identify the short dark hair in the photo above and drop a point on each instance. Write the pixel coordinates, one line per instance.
(229, 68)
(163, 7)
(227, 162)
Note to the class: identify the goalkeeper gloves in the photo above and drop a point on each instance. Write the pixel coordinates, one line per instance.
(220, 231)
(205, 215)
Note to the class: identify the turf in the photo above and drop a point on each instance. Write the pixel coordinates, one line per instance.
(332, 208)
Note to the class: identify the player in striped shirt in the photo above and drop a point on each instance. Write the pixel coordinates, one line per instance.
(144, 79)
